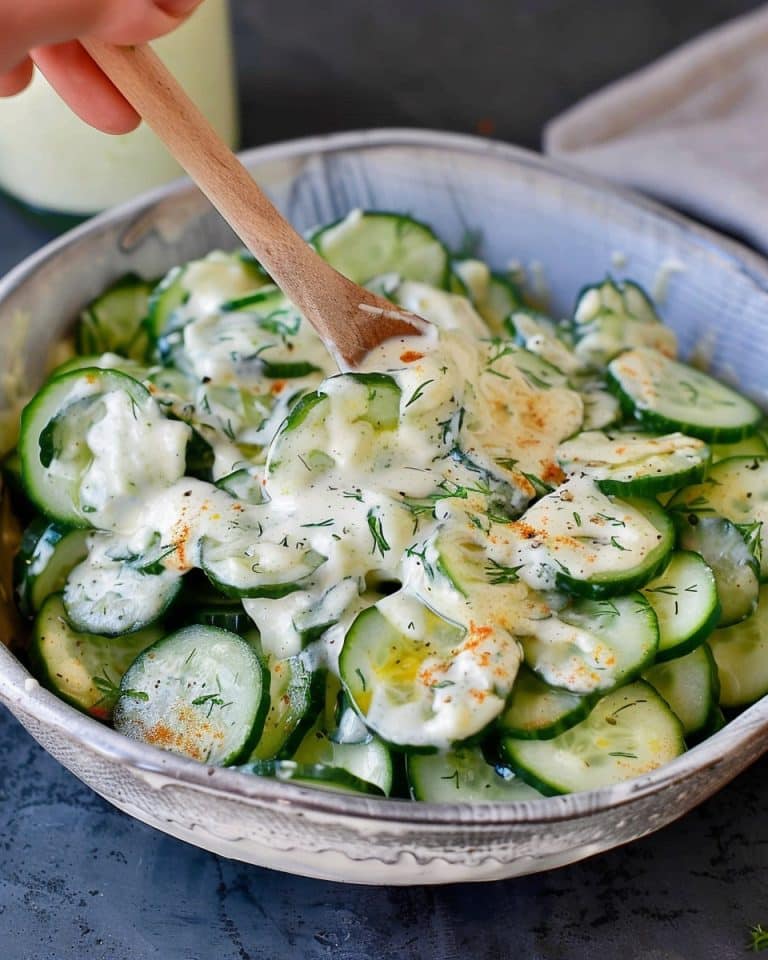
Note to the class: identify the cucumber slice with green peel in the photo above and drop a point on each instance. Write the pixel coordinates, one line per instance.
(630, 731)
(371, 402)
(252, 567)
(754, 446)
(689, 684)
(666, 395)
(409, 673)
(369, 761)
(684, 599)
(456, 284)
(114, 321)
(200, 692)
(502, 297)
(591, 545)
(541, 335)
(741, 655)
(537, 711)
(115, 596)
(463, 775)
(369, 243)
(84, 669)
(340, 721)
(635, 464)
(538, 372)
(493, 295)
(726, 551)
(318, 775)
(104, 361)
(601, 409)
(47, 554)
(243, 485)
(294, 699)
(200, 287)
(736, 489)
(164, 301)
(91, 435)
(592, 646)
(612, 317)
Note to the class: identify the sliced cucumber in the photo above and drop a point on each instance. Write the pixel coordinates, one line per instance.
(200, 287)
(741, 655)
(370, 406)
(82, 668)
(540, 335)
(537, 711)
(631, 731)
(538, 372)
(368, 761)
(200, 692)
(79, 427)
(684, 598)
(690, 686)
(635, 464)
(318, 775)
(369, 243)
(737, 489)
(408, 672)
(610, 317)
(579, 540)
(244, 485)
(727, 552)
(252, 567)
(592, 646)
(463, 775)
(754, 446)
(666, 395)
(293, 703)
(601, 408)
(47, 553)
(114, 321)
(112, 596)
(493, 295)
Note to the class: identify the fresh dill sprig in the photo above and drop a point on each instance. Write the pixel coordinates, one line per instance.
(377, 533)
(497, 573)
(758, 938)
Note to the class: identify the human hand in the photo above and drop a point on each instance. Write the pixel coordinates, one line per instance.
(43, 34)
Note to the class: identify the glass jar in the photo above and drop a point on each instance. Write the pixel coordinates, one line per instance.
(53, 162)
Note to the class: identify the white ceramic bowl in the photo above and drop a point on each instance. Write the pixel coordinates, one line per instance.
(524, 207)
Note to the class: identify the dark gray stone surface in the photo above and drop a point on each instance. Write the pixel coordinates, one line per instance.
(78, 879)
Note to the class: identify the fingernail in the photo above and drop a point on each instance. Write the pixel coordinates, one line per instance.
(177, 8)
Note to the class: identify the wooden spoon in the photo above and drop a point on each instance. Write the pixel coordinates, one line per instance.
(350, 319)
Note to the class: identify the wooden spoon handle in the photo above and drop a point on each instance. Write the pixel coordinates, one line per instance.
(322, 295)
(156, 95)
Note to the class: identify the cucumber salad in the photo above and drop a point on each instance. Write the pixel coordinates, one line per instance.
(516, 556)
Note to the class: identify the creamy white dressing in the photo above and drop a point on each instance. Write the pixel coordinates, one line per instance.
(132, 447)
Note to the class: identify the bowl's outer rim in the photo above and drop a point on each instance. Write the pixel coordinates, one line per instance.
(19, 690)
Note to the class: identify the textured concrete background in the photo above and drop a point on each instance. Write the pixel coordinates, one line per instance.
(80, 880)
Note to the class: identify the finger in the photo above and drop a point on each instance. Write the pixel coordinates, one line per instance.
(16, 79)
(35, 23)
(84, 88)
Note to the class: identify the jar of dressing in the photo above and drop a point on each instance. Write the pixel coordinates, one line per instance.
(53, 162)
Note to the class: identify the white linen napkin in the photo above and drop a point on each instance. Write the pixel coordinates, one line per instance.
(691, 129)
